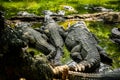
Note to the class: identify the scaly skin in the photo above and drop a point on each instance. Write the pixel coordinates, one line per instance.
(64, 73)
(51, 28)
(94, 76)
(16, 63)
(82, 43)
(115, 35)
(80, 40)
(37, 39)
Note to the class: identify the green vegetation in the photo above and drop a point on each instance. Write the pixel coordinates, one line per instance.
(100, 29)
(37, 6)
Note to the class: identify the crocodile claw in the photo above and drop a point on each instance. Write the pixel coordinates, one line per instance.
(89, 65)
(79, 67)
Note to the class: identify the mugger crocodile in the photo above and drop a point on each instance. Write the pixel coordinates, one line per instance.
(84, 48)
(36, 39)
(51, 29)
(115, 35)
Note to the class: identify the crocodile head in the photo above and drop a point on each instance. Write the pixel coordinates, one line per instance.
(81, 24)
(48, 19)
(22, 24)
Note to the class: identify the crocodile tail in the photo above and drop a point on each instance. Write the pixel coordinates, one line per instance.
(59, 54)
(105, 59)
(93, 76)
(110, 76)
(59, 71)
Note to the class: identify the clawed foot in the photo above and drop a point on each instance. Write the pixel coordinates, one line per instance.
(81, 66)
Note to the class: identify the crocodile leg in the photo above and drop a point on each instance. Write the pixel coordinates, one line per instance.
(88, 61)
(103, 55)
(116, 40)
(37, 40)
(58, 56)
(75, 54)
(62, 32)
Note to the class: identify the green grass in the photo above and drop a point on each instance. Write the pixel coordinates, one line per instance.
(102, 31)
(37, 6)
(66, 56)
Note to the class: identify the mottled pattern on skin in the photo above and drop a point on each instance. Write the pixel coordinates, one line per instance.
(80, 40)
(115, 35)
(51, 29)
(36, 39)
(16, 63)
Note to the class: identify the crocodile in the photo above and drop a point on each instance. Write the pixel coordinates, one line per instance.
(111, 18)
(51, 29)
(16, 63)
(92, 76)
(84, 47)
(115, 35)
(64, 72)
(36, 39)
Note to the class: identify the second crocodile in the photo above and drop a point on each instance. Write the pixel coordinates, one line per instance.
(36, 39)
(84, 48)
